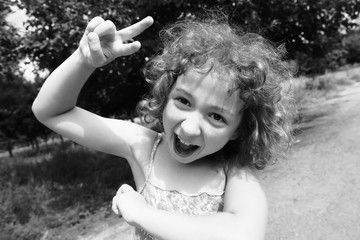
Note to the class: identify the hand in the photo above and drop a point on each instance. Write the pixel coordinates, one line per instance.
(129, 204)
(102, 43)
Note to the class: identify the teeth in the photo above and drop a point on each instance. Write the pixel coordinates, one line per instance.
(183, 142)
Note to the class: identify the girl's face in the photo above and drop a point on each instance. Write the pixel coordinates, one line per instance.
(201, 115)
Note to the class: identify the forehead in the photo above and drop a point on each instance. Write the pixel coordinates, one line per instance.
(208, 78)
(210, 87)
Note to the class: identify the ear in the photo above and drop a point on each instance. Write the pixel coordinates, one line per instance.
(235, 135)
(238, 131)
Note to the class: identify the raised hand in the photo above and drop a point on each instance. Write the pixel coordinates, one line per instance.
(102, 43)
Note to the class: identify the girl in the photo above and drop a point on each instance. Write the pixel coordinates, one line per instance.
(219, 108)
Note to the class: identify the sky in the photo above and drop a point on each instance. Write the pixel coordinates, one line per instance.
(17, 19)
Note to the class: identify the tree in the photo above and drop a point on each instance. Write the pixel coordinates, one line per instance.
(351, 43)
(9, 40)
(17, 122)
(54, 30)
(311, 30)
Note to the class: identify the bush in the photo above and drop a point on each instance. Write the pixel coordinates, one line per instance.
(320, 83)
(355, 77)
(328, 82)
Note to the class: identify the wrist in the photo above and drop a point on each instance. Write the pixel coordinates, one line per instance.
(144, 217)
(81, 62)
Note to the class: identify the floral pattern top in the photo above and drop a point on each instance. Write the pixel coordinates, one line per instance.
(175, 201)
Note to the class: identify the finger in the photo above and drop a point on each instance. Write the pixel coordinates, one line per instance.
(114, 206)
(95, 48)
(104, 28)
(127, 49)
(120, 190)
(135, 29)
(125, 188)
(93, 24)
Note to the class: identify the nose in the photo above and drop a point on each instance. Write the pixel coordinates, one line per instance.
(191, 126)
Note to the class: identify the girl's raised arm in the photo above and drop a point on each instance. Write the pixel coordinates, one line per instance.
(55, 104)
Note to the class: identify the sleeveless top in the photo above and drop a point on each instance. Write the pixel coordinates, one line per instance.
(176, 201)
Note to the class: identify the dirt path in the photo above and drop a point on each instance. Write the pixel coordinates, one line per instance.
(315, 194)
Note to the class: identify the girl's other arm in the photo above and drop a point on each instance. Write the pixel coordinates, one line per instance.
(244, 216)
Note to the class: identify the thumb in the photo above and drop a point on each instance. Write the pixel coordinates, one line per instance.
(125, 188)
(118, 199)
(127, 48)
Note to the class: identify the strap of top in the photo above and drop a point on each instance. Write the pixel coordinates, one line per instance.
(152, 156)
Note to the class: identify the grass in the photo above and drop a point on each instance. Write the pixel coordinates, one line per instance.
(55, 190)
(311, 90)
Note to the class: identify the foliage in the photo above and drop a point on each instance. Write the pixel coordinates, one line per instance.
(351, 44)
(54, 30)
(56, 190)
(9, 42)
(311, 31)
(17, 121)
(16, 94)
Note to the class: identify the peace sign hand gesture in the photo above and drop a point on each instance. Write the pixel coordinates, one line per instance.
(102, 43)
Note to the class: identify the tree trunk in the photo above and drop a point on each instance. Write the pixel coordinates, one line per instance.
(10, 148)
(37, 144)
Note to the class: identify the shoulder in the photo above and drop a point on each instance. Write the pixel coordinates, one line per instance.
(245, 197)
(138, 141)
(127, 133)
(144, 143)
(141, 148)
(244, 186)
(129, 140)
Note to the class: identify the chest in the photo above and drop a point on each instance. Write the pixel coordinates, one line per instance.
(191, 179)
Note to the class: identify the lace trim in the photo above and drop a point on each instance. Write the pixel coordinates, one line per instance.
(152, 155)
(180, 192)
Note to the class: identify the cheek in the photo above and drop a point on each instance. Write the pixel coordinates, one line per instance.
(217, 138)
(164, 118)
(167, 116)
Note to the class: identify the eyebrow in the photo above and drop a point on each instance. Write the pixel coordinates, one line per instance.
(217, 108)
(183, 92)
(223, 110)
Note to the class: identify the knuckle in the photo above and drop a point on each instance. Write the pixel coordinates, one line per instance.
(115, 199)
(98, 19)
(94, 22)
(110, 23)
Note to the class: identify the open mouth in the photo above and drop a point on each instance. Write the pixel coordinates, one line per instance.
(183, 148)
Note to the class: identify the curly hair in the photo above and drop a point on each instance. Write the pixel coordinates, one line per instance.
(253, 64)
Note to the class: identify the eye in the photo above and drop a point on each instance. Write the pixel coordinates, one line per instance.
(217, 117)
(183, 101)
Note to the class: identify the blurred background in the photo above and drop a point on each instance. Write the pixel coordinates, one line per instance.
(51, 188)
